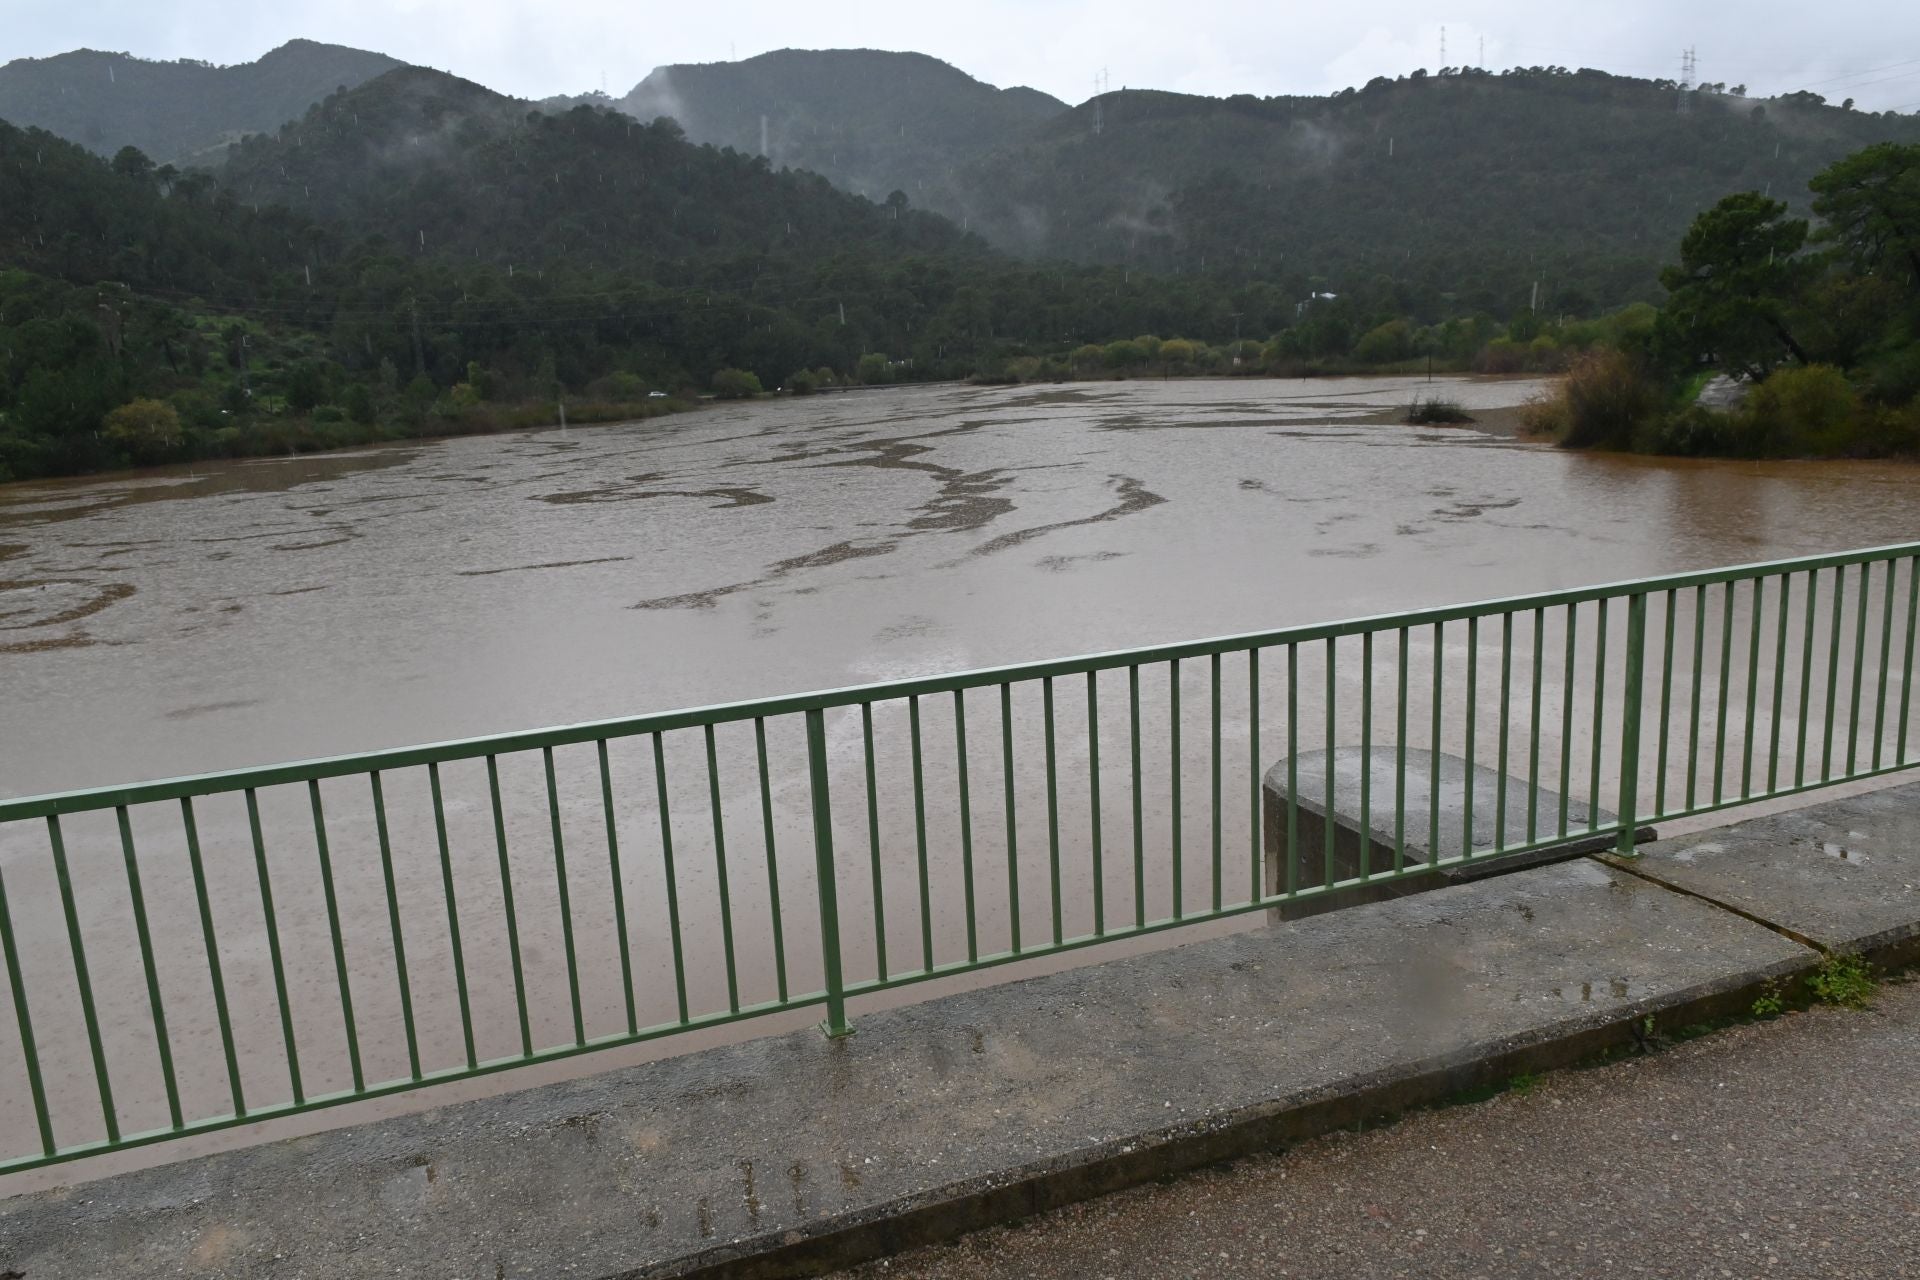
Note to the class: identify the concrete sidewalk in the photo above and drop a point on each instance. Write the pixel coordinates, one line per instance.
(791, 1154)
(1789, 1147)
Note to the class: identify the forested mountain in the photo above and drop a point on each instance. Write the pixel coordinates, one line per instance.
(442, 165)
(1466, 183)
(871, 121)
(175, 111)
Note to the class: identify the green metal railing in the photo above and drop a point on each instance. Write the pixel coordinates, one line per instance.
(193, 954)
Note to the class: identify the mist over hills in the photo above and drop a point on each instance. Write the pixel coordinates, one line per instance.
(1465, 183)
(1472, 183)
(1466, 190)
(181, 111)
(869, 121)
(441, 165)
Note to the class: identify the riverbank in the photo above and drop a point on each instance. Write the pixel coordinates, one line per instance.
(793, 1154)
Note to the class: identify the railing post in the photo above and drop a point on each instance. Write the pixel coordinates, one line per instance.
(836, 1024)
(1630, 723)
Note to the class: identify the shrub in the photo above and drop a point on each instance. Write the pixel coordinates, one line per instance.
(621, 386)
(1807, 409)
(735, 384)
(1606, 400)
(1088, 357)
(1436, 412)
(1502, 355)
(147, 429)
(1390, 343)
(874, 367)
(359, 403)
(1176, 351)
(803, 382)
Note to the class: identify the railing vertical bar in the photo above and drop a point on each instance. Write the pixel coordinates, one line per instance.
(966, 824)
(1256, 782)
(1093, 805)
(1566, 717)
(1328, 828)
(1630, 723)
(564, 892)
(157, 1010)
(1806, 677)
(1906, 664)
(1053, 811)
(618, 883)
(1366, 755)
(1013, 844)
(1472, 698)
(1533, 737)
(333, 928)
(453, 918)
(826, 884)
(1726, 672)
(1400, 759)
(23, 1021)
(1218, 867)
(274, 955)
(873, 844)
(222, 1015)
(506, 902)
(1859, 666)
(1506, 713)
(1433, 776)
(393, 924)
(1293, 769)
(1756, 604)
(775, 916)
(1833, 668)
(1599, 713)
(919, 836)
(718, 814)
(1886, 654)
(672, 878)
(102, 1081)
(1779, 682)
(1139, 828)
(1693, 715)
(1666, 705)
(1173, 772)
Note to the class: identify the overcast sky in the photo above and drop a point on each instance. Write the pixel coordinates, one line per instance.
(1867, 51)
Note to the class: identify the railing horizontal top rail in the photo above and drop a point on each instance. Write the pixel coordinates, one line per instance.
(226, 781)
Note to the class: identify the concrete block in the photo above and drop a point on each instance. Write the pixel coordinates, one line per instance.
(1358, 850)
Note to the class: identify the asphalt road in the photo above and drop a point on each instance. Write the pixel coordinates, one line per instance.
(1786, 1148)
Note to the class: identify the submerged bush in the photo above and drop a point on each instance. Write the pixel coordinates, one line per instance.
(1810, 409)
(1436, 412)
(1606, 401)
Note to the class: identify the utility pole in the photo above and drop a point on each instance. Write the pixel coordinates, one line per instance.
(419, 354)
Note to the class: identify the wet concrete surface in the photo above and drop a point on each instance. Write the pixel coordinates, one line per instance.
(1844, 875)
(1785, 1148)
(954, 1113)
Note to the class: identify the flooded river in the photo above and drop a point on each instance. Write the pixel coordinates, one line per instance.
(196, 619)
(241, 613)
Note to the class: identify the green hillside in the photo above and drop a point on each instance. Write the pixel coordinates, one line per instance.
(175, 111)
(871, 121)
(1466, 186)
(442, 165)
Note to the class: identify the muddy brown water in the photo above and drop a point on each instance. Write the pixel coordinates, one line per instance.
(176, 622)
